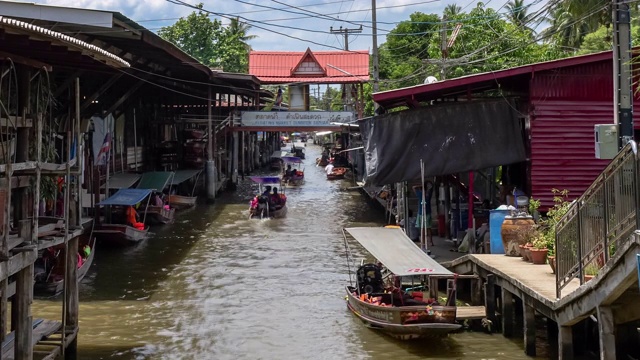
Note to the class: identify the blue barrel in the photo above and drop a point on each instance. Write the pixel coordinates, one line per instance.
(496, 217)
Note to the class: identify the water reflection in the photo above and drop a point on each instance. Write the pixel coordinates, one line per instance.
(217, 285)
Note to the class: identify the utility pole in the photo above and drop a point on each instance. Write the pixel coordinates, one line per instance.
(376, 76)
(622, 90)
(345, 89)
(445, 44)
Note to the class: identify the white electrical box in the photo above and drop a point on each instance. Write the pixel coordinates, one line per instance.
(606, 136)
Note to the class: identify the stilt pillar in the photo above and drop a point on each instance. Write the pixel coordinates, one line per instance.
(529, 315)
(507, 314)
(606, 330)
(490, 301)
(476, 292)
(565, 342)
(72, 297)
(23, 349)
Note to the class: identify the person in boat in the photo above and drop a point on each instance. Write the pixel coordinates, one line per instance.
(289, 172)
(275, 199)
(132, 218)
(157, 200)
(329, 167)
(86, 250)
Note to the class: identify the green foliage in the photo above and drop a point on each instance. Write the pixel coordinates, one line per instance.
(210, 42)
(601, 39)
(571, 21)
(548, 226)
(534, 205)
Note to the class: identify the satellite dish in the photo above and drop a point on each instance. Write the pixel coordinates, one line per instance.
(430, 80)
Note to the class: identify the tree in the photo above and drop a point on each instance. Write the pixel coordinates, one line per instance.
(571, 21)
(452, 10)
(211, 43)
(518, 13)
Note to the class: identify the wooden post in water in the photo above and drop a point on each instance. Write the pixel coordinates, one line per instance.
(606, 330)
(476, 291)
(565, 342)
(490, 299)
(71, 296)
(507, 314)
(529, 315)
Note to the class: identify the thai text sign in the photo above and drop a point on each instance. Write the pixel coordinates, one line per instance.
(295, 118)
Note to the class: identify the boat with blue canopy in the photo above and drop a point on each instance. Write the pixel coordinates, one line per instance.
(121, 225)
(293, 176)
(159, 211)
(267, 204)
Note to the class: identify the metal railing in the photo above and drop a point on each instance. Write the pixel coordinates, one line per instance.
(599, 220)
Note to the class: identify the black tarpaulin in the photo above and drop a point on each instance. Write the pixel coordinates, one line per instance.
(450, 138)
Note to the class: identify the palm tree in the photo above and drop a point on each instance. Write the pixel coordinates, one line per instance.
(239, 30)
(518, 13)
(451, 11)
(572, 20)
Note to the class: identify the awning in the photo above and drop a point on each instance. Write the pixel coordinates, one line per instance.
(123, 180)
(449, 138)
(393, 248)
(265, 179)
(155, 180)
(292, 159)
(127, 197)
(181, 176)
(278, 154)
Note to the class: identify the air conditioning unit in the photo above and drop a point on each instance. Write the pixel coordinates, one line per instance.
(606, 136)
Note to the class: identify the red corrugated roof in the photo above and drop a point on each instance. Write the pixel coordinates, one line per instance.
(476, 82)
(278, 67)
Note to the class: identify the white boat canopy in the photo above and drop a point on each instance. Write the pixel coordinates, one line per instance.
(395, 250)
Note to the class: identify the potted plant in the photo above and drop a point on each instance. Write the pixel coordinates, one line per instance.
(548, 225)
(533, 209)
(590, 271)
(539, 248)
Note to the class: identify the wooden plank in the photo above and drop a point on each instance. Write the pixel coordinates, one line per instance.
(23, 349)
(470, 313)
(16, 121)
(41, 329)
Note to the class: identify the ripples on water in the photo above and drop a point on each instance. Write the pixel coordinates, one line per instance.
(217, 285)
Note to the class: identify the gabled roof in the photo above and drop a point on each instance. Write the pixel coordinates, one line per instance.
(308, 65)
(478, 82)
(283, 67)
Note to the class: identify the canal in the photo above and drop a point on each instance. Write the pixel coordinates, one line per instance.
(216, 285)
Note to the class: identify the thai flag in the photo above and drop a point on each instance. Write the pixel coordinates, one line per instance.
(278, 101)
(103, 154)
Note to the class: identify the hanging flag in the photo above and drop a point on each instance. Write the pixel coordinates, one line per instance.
(278, 101)
(103, 155)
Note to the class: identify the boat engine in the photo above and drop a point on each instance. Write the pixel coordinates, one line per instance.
(370, 279)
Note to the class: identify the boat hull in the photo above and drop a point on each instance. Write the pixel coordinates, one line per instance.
(277, 213)
(182, 202)
(118, 234)
(337, 173)
(160, 215)
(55, 287)
(438, 321)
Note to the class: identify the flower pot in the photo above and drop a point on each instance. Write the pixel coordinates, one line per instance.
(510, 230)
(552, 263)
(588, 277)
(538, 256)
(527, 252)
(523, 253)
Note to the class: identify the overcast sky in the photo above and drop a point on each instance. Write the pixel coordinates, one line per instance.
(290, 25)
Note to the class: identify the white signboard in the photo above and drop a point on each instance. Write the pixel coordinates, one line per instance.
(295, 118)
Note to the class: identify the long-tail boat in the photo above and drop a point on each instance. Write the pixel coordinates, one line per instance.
(115, 228)
(296, 177)
(390, 306)
(156, 181)
(183, 199)
(261, 205)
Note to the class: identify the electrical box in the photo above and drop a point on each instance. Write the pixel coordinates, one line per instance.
(606, 136)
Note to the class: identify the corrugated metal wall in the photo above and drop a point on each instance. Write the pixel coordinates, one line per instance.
(565, 106)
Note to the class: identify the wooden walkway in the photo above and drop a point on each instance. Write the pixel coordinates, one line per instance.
(41, 330)
(470, 313)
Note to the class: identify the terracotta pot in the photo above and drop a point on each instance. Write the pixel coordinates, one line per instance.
(511, 227)
(527, 251)
(588, 277)
(539, 256)
(523, 252)
(552, 263)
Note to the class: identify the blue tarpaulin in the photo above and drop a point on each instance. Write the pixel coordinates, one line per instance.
(266, 179)
(125, 197)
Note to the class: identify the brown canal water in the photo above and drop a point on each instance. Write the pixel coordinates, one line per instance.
(216, 285)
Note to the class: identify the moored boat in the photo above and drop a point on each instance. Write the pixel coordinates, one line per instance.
(183, 198)
(263, 205)
(158, 211)
(120, 226)
(389, 307)
(336, 173)
(49, 268)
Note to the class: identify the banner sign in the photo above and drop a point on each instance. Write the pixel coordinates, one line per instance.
(296, 118)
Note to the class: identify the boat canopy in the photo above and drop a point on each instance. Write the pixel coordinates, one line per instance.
(266, 179)
(278, 154)
(393, 248)
(291, 159)
(181, 176)
(126, 197)
(155, 180)
(123, 180)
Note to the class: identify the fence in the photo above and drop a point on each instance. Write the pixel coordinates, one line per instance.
(597, 222)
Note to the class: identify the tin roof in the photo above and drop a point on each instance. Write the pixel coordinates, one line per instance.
(478, 82)
(321, 67)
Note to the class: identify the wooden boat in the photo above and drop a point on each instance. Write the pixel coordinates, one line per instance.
(389, 307)
(322, 162)
(118, 231)
(158, 212)
(297, 152)
(183, 199)
(296, 177)
(259, 207)
(336, 173)
(49, 280)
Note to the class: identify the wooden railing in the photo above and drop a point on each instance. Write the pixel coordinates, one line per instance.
(599, 221)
